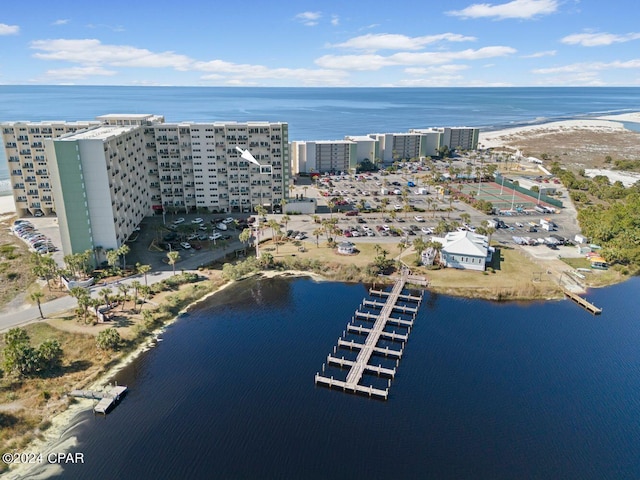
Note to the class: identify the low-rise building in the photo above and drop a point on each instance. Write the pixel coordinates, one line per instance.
(465, 250)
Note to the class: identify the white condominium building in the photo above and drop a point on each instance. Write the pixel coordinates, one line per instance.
(100, 186)
(103, 177)
(200, 165)
(455, 138)
(379, 148)
(324, 156)
(24, 149)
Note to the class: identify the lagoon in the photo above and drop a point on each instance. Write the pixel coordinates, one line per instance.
(485, 390)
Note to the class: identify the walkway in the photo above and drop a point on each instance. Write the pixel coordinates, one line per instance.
(361, 364)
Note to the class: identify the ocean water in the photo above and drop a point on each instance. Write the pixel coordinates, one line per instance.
(484, 391)
(319, 113)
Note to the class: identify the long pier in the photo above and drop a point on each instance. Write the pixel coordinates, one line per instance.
(381, 320)
(106, 399)
(583, 302)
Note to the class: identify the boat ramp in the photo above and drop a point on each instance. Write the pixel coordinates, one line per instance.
(385, 327)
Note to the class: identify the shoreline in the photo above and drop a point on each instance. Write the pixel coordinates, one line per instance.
(53, 439)
(605, 123)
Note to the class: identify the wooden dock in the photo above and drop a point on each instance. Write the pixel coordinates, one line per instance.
(583, 302)
(106, 400)
(373, 335)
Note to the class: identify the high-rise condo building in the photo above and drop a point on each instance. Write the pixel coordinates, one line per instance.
(102, 177)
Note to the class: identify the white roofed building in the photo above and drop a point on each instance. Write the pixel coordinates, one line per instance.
(465, 250)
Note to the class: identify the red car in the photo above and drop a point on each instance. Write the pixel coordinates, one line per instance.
(352, 213)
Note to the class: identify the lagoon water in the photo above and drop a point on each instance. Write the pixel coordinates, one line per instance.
(484, 391)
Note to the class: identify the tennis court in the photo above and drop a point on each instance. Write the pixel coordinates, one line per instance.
(501, 197)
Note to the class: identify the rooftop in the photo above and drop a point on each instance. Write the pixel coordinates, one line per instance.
(103, 132)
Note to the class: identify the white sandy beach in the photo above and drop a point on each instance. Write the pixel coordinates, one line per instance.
(602, 124)
(7, 206)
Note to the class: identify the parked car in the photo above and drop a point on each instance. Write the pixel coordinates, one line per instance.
(178, 221)
(426, 230)
(221, 226)
(419, 218)
(197, 221)
(185, 245)
(215, 236)
(227, 220)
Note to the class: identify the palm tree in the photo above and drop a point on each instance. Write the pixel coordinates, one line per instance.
(172, 258)
(124, 289)
(317, 232)
(331, 204)
(82, 296)
(383, 203)
(124, 251)
(37, 297)
(245, 236)
(285, 220)
(136, 288)
(275, 232)
(143, 269)
(112, 260)
(106, 295)
(145, 290)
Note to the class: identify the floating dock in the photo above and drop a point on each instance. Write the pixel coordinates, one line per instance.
(373, 335)
(583, 302)
(106, 400)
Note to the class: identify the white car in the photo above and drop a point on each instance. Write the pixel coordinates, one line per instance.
(397, 207)
(426, 230)
(215, 236)
(221, 226)
(419, 218)
(178, 221)
(385, 228)
(228, 220)
(185, 245)
(196, 221)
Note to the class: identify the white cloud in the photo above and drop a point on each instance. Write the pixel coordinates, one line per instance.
(390, 41)
(589, 67)
(431, 81)
(62, 21)
(376, 62)
(598, 39)
(93, 52)
(335, 20)
(547, 53)
(440, 69)
(78, 73)
(235, 73)
(9, 29)
(94, 57)
(308, 18)
(523, 9)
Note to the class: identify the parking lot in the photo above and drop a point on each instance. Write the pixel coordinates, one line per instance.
(429, 207)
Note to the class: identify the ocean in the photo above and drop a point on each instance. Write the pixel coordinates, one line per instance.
(484, 391)
(319, 113)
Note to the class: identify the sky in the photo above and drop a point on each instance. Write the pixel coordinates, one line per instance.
(373, 43)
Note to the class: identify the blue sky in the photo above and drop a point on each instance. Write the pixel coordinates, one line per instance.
(415, 43)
